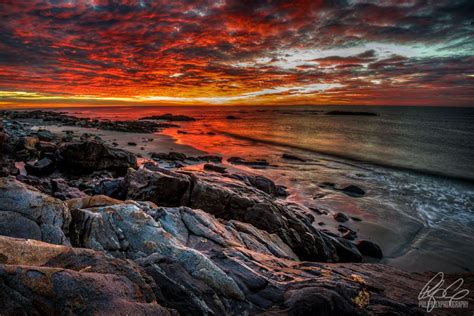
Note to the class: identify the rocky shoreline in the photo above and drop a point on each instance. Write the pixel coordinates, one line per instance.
(86, 228)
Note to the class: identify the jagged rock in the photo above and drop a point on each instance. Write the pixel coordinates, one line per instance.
(233, 200)
(41, 167)
(216, 168)
(110, 187)
(44, 218)
(205, 266)
(89, 156)
(41, 278)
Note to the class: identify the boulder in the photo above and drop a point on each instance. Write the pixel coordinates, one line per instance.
(27, 213)
(41, 167)
(88, 156)
(213, 167)
(370, 249)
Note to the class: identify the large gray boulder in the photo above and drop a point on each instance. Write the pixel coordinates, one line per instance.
(27, 213)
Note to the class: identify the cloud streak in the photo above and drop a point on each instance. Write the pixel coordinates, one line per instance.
(238, 52)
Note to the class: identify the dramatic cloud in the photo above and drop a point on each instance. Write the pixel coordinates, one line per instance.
(237, 52)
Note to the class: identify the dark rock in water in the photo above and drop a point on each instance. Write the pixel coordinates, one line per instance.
(351, 113)
(327, 185)
(170, 117)
(232, 117)
(353, 191)
(34, 214)
(341, 217)
(89, 156)
(259, 163)
(210, 158)
(42, 167)
(216, 168)
(370, 249)
(181, 132)
(292, 157)
(282, 191)
(131, 144)
(356, 219)
(172, 156)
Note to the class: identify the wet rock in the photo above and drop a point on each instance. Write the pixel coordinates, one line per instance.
(353, 190)
(39, 212)
(89, 156)
(341, 217)
(170, 117)
(354, 113)
(370, 249)
(131, 144)
(259, 163)
(216, 168)
(42, 167)
(292, 157)
(172, 156)
(232, 117)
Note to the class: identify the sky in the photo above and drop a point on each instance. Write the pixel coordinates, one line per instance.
(226, 52)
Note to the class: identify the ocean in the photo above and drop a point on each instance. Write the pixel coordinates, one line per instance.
(415, 163)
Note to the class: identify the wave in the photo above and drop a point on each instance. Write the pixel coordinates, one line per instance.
(352, 158)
